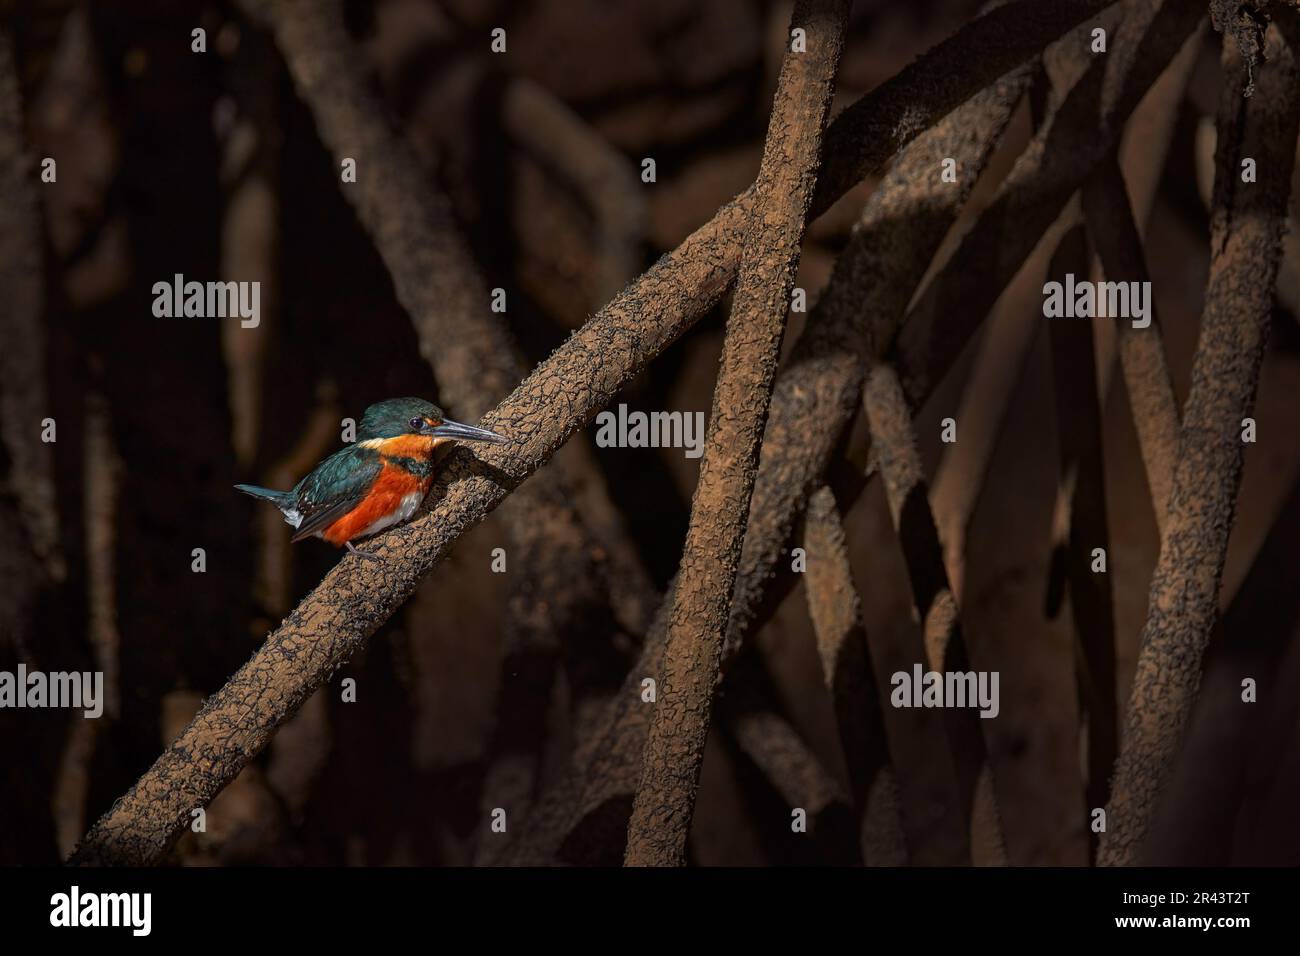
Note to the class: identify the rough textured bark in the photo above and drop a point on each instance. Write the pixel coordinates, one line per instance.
(893, 115)
(1076, 137)
(938, 326)
(1246, 235)
(821, 399)
(302, 747)
(816, 394)
(559, 398)
(1242, 23)
(560, 587)
(859, 315)
(1228, 760)
(674, 749)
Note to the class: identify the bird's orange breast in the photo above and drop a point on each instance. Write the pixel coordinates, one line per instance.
(385, 496)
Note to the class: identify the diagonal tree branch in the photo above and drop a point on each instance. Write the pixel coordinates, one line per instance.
(1247, 226)
(562, 583)
(892, 116)
(1076, 137)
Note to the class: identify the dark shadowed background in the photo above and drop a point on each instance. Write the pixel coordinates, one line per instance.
(209, 165)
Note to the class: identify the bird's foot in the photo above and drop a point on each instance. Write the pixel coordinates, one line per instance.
(361, 554)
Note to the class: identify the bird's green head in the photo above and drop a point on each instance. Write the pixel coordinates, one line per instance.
(398, 417)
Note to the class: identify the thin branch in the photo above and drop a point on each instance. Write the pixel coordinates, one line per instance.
(1246, 236)
(103, 481)
(790, 767)
(410, 222)
(836, 612)
(72, 782)
(250, 231)
(556, 400)
(1003, 349)
(674, 749)
(1142, 161)
(543, 124)
(102, 471)
(24, 404)
(777, 750)
(1142, 354)
(894, 444)
(631, 590)
(1083, 526)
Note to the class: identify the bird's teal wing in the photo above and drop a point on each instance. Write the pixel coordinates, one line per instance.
(337, 485)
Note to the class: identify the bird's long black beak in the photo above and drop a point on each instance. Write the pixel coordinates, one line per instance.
(450, 429)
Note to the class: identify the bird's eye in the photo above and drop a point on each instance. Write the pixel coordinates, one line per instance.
(417, 424)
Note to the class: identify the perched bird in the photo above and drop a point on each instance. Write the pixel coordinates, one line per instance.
(376, 482)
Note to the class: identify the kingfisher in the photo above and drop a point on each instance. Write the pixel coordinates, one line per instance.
(376, 482)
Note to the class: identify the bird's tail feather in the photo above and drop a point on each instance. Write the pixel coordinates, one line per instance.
(281, 499)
